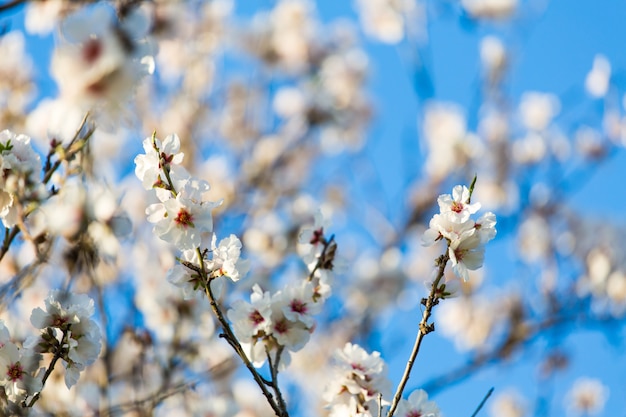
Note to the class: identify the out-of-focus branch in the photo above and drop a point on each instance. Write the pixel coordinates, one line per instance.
(501, 352)
(10, 5)
(77, 143)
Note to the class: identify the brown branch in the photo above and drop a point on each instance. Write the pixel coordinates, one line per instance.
(10, 5)
(424, 329)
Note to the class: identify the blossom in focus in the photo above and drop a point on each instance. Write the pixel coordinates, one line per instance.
(251, 320)
(149, 166)
(418, 405)
(226, 258)
(17, 367)
(466, 238)
(225, 261)
(182, 220)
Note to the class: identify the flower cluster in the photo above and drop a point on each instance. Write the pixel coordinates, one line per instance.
(359, 378)
(466, 238)
(225, 261)
(102, 58)
(19, 169)
(272, 323)
(183, 214)
(69, 315)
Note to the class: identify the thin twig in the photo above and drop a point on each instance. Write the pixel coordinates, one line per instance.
(9, 236)
(10, 4)
(482, 403)
(57, 355)
(424, 329)
(232, 340)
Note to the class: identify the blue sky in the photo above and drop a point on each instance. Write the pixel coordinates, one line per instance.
(552, 52)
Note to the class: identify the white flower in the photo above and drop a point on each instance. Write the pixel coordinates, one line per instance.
(101, 59)
(538, 109)
(443, 226)
(465, 237)
(486, 227)
(62, 309)
(457, 204)
(19, 170)
(299, 305)
(587, 397)
(417, 405)
(17, 367)
(182, 220)
(148, 167)
(226, 258)
(466, 254)
(71, 314)
(251, 320)
(291, 334)
(358, 376)
(183, 277)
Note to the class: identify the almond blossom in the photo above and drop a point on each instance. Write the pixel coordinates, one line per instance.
(182, 220)
(465, 237)
(418, 405)
(17, 368)
(20, 167)
(358, 379)
(71, 315)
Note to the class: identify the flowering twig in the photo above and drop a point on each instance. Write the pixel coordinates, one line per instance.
(322, 259)
(72, 148)
(424, 329)
(58, 354)
(232, 340)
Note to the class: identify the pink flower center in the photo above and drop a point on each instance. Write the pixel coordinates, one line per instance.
(256, 317)
(414, 413)
(184, 218)
(317, 237)
(15, 372)
(281, 327)
(358, 366)
(59, 321)
(298, 306)
(456, 207)
(92, 50)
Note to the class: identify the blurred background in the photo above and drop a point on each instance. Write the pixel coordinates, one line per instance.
(368, 111)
